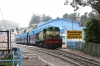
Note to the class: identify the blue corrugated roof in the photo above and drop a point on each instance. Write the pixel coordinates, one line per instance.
(21, 35)
(56, 19)
(37, 31)
(30, 33)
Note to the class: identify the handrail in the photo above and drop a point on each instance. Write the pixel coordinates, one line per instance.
(16, 54)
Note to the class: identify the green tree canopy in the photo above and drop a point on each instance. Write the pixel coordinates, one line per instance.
(92, 31)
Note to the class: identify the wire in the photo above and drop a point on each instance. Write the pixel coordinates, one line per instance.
(3, 19)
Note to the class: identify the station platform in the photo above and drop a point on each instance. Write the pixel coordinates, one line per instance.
(33, 60)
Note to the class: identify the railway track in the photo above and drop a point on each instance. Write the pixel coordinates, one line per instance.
(67, 60)
(42, 50)
(71, 58)
(87, 60)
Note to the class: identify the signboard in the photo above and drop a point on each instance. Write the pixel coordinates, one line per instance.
(74, 34)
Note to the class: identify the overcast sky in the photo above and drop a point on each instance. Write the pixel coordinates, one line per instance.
(21, 11)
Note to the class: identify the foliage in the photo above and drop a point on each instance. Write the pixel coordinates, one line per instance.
(17, 29)
(71, 16)
(38, 18)
(8, 24)
(65, 16)
(45, 18)
(91, 15)
(92, 31)
(95, 4)
(35, 19)
(83, 18)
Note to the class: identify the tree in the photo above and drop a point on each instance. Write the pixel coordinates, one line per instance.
(84, 19)
(72, 16)
(91, 15)
(25, 30)
(65, 16)
(8, 25)
(94, 15)
(38, 18)
(97, 15)
(35, 19)
(92, 31)
(45, 18)
(95, 4)
(17, 29)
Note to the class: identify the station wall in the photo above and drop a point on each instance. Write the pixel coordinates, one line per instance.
(63, 24)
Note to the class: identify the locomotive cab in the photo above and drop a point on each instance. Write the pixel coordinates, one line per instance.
(53, 39)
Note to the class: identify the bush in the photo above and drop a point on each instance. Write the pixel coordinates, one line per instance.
(92, 31)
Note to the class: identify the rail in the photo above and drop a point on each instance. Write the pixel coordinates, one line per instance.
(15, 59)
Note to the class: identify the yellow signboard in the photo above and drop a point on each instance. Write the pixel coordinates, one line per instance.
(74, 34)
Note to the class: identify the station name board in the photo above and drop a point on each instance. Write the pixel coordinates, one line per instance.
(74, 34)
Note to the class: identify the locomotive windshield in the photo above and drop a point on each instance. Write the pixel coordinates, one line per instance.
(53, 31)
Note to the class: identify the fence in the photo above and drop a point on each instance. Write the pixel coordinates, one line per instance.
(92, 49)
(15, 59)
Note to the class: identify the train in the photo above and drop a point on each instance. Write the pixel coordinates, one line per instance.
(48, 37)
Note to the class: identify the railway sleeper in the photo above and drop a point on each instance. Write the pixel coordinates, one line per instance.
(76, 59)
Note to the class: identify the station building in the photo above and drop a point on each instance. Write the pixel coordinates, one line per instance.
(63, 24)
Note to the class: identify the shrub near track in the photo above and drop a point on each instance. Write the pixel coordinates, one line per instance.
(92, 37)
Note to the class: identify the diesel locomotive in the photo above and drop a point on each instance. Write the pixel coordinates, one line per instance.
(48, 37)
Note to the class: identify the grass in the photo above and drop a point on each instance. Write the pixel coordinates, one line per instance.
(9, 63)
